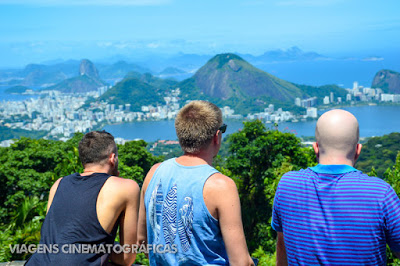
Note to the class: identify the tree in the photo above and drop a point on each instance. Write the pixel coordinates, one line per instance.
(135, 161)
(392, 176)
(257, 159)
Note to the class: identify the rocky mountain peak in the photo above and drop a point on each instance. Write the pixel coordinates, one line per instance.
(87, 68)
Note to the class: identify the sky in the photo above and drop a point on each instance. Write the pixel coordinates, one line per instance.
(40, 30)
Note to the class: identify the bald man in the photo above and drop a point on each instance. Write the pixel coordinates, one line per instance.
(333, 214)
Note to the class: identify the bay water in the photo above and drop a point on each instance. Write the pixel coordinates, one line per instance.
(373, 120)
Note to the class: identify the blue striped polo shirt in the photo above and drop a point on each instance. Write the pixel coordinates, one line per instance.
(336, 215)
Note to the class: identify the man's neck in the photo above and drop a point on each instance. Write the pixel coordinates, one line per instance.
(195, 159)
(95, 168)
(336, 161)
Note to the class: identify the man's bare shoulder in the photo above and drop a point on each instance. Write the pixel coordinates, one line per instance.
(150, 174)
(220, 183)
(122, 186)
(54, 187)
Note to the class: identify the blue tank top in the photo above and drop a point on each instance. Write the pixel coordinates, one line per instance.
(178, 220)
(72, 224)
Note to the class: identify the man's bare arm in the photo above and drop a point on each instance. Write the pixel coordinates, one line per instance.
(52, 192)
(281, 258)
(223, 191)
(142, 225)
(129, 190)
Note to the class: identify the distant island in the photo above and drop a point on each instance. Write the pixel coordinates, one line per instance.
(17, 90)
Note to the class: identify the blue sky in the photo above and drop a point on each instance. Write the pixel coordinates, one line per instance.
(38, 30)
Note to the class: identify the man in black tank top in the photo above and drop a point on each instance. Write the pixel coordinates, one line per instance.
(85, 210)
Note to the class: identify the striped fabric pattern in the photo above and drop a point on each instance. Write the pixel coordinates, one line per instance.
(336, 215)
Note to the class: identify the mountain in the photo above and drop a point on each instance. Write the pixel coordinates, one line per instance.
(226, 80)
(87, 68)
(17, 89)
(40, 75)
(78, 84)
(138, 90)
(119, 69)
(292, 54)
(88, 80)
(169, 71)
(174, 73)
(228, 76)
(387, 80)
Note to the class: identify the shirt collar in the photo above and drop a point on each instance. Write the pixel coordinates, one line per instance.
(333, 169)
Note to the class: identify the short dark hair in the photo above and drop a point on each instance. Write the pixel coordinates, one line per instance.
(96, 146)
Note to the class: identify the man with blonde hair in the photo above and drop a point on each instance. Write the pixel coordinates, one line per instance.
(333, 214)
(188, 209)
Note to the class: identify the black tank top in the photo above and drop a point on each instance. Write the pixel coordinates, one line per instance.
(71, 226)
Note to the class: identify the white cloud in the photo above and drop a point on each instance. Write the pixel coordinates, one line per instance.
(373, 58)
(153, 45)
(85, 2)
(104, 44)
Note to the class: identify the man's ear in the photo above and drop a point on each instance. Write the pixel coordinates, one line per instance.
(217, 137)
(112, 158)
(358, 151)
(316, 149)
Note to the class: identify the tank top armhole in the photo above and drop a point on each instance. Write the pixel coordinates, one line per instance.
(203, 203)
(59, 184)
(97, 216)
(151, 183)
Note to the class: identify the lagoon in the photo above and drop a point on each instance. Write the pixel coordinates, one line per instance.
(373, 120)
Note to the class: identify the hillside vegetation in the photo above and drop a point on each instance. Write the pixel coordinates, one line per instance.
(379, 153)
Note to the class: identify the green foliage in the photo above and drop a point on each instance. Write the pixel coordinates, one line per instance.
(9, 133)
(392, 176)
(26, 169)
(258, 158)
(133, 91)
(135, 161)
(264, 258)
(79, 84)
(141, 259)
(379, 152)
(167, 151)
(24, 227)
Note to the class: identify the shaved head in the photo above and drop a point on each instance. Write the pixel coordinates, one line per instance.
(337, 134)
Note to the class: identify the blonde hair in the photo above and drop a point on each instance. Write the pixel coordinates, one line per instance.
(196, 124)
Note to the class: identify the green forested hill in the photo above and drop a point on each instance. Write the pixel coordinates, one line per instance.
(322, 91)
(380, 153)
(9, 133)
(227, 76)
(78, 84)
(133, 91)
(17, 89)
